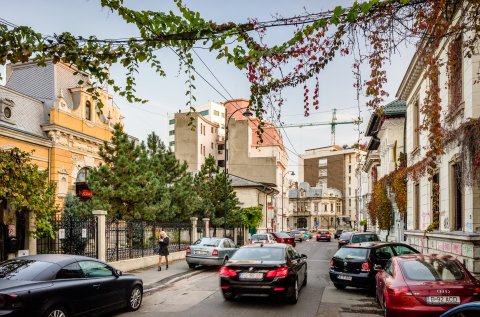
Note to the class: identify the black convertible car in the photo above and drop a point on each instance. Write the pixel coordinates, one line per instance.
(57, 285)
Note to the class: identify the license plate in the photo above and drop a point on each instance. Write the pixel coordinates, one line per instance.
(344, 277)
(251, 276)
(201, 252)
(433, 300)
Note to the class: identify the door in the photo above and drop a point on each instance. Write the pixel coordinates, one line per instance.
(106, 287)
(382, 255)
(299, 265)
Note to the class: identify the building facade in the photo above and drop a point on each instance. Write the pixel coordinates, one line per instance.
(47, 111)
(458, 233)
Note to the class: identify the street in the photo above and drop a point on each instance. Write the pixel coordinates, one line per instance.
(200, 295)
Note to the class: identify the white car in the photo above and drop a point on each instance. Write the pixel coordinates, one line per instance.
(262, 238)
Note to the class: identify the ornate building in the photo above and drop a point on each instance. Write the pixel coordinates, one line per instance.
(46, 112)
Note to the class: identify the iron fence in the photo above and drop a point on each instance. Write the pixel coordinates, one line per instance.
(73, 235)
(136, 239)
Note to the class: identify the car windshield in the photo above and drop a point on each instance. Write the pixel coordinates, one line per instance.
(323, 232)
(295, 232)
(358, 238)
(259, 237)
(20, 269)
(346, 236)
(208, 242)
(259, 254)
(432, 270)
(282, 235)
(351, 253)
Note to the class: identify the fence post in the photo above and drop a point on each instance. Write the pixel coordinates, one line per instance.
(32, 242)
(101, 236)
(235, 235)
(207, 226)
(194, 229)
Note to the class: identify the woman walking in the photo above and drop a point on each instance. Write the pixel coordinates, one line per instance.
(163, 242)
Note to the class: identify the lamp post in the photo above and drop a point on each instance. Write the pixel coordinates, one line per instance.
(283, 179)
(246, 114)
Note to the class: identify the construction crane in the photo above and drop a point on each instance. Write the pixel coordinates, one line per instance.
(332, 123)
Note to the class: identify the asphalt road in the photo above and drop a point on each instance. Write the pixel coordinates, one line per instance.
(200, 295)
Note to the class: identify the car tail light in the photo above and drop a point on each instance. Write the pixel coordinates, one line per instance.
(278, 289)
(225, 271)
(6, 300)
(365, 267)
(328, 235)
(399, 291)
(215, 252)
(189, 251)
(280, 272)
(331, 264)
(476, 291)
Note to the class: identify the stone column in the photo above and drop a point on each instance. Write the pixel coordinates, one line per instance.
(235, 232)
(206, 221)
(32, 242)
(101, 234)
(194, 229)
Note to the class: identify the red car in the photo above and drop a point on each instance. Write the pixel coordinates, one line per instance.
(282, 237)
(324, 235)
(424, 285)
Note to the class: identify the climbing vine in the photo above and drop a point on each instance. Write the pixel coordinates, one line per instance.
(380, 206)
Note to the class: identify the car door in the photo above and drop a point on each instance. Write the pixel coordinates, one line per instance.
(298, 263)
(109, 293)
(382, 255)
(71, 285)
(233, 248)
(381, 277)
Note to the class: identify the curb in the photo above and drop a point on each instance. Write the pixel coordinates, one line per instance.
(170, 280)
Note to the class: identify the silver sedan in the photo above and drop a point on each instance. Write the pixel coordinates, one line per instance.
(210, 251)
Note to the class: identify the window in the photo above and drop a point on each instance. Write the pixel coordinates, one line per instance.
(221, 147)
(211, 145)
(201, 149)
(95, 269)
(171, 121)
(338, 207)
(389, 268)
(331, 207)
(455, 74)
(322, 162)
(171, 132)
(402, 249)
(82, 175)
(204, 153)
(222, 114)
(456, 195)
(322, 172)
(325, 209)
(315, 206)
(70, 271)
(88, 110)
(349, 169)
(216, 113)
(349, 202)
(350, 159)
(384, 253)
(349, 180)
(349, 191)
(171, 143)
(416, 202)
(416, 125)
(211, 129)
(201, 128)
(222, 126)
(204, 113)
(435, 197)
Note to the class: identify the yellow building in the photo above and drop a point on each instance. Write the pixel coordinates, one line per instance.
(45, 110)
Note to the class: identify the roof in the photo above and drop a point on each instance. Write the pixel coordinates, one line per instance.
(396, 107)
(238, 181)
(56, 258)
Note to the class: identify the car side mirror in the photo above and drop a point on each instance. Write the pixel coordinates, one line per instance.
(117, 273)
(377, 267)
(304, 256)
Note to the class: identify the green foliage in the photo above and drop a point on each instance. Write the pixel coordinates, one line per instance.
(210, 187)
(27, 188)
(73, 210)
(252, 216)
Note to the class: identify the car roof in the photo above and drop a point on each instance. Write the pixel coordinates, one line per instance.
(372, 244)
(273, 245)
(410, 257)
(362, 233)
(60, 259)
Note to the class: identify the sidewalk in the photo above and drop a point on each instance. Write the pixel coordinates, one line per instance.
(153, 279)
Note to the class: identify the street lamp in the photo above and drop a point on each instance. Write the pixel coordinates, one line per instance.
(246, 114)
(283, 178)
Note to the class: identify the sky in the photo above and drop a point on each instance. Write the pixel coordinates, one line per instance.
(167, 95)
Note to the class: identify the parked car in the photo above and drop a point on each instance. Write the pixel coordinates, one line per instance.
(51, 285)
(465, 310)
(356, 264)
(299, 236)
(270, 269)
(356, 237)
(424, 285)
(282, 237)
(262, 238)
(338, 232)
(210, 251)
(324, 235)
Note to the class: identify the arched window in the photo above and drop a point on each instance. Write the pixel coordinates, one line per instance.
(82, 175)
(88, 110)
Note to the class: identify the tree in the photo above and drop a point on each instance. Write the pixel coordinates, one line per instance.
(210, 187)
(73, 211)
(122, 183)
(27, 189)
(174, 197)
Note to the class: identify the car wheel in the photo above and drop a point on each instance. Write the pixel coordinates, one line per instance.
(339, 286)
(228, 296)
(57, 311)
(135, 298)
(192, 265)
(293, 298)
